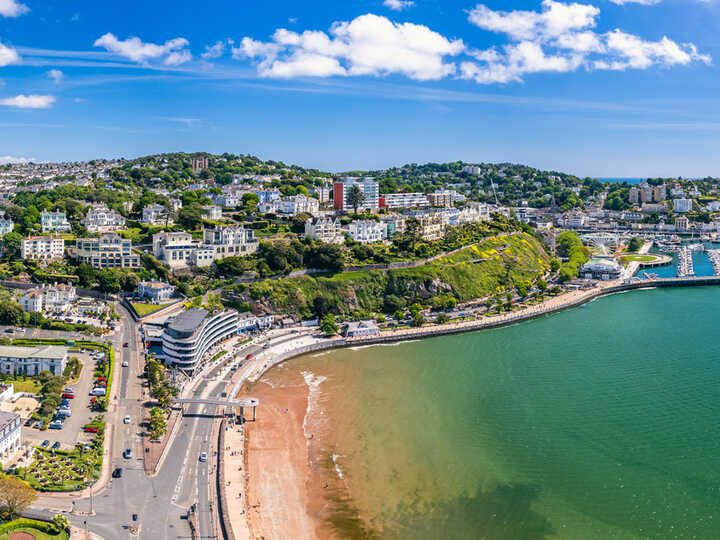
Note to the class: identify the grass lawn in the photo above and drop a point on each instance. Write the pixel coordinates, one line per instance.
(146, 309)
(29, 385)
(62, 471)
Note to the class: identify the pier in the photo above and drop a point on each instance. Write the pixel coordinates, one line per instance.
(685, 262)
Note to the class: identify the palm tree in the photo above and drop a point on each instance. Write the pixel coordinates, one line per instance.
(355, 197)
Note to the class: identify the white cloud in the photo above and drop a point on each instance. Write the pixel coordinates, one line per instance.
(642, 2)
(367, 45)
(8, 55)
(12, 8)
(56, 75)
(32, 101)
(133, 48)
(12, 160)
(560, 38)
(398, 5)
(216, 50)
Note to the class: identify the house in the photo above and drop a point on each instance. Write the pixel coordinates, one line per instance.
(174, 248)
(101, 219)
(211, 212)
(42, 248)
(326, 230)
(155, 291)
(54, 222)
(230, 241)
(361, 328)
(291, 206)
(247, 322)
(367, 231)
(10, 436)
(107, 251)
(32, 301)
(156, 214)
(6, 226)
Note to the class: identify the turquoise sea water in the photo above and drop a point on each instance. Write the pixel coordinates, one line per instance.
(598, 422)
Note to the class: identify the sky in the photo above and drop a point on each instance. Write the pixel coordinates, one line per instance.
(596, 87)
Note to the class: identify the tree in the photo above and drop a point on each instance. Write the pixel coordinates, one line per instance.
(418, 320)
(61, 522)
(11, 313)
(355, 197)
(635, 244)
(190, 217)
(393, 303)
(110, 280)
(158, 424)
(442, 318)
(11, 243)
(328, 325)
(15, 495)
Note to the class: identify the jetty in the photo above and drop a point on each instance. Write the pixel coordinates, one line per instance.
(714, 256)
(685, 262)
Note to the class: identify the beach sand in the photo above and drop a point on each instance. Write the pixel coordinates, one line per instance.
(279, 472)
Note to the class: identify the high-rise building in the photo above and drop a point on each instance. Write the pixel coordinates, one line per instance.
(42, 248)
(659, 194)
(107, 251)
(634, 195)
(646, 193)
(682, 206)
(199, 163)
(368, 186)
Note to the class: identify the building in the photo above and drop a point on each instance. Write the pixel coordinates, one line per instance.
(659, 193)
(394, 224)
(326, 230)
(367, 231)
(682, 223)
(155, 291)
(32, 301)
(54, 222)
(230, 241)
(32, 361)
(472, 169)
(42, 248)
(291, 206)
(108, 251)
(174, 248)
(369, 188)
(6, 391)
(403, 200)
(266, 195)
(175, 204)
(646, 193)
(444, 198)
(102, 219)
(322, 192)
(602, 269)
(6, 226)
(432, 225)
(634, 195)
(211, 212)
(10, 431)
(199, 163)
(156, 214)
(682, 206)
(188, 336)
(361, 328)
(56, 298)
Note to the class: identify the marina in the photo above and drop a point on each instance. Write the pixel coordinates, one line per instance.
(714, 256)
(685, 262)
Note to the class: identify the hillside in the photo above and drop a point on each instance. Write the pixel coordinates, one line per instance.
(494, 265)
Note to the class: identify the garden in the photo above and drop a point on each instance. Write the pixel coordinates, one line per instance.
(40, 530)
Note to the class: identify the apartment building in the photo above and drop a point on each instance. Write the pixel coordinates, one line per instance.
(211, 212)
(198, 163)
(101, 219)
(32, 361)
(403, 200)
(6, 226)
(107, 251)
(230, 241)
(368, 186)
(50, 298)
(291, 206)
(54, 222)
(432, 225)
(326, 230)
(174, 248)
(156, 214)
(367, 231)
(682, 206)
(42, 248)
(444, 198)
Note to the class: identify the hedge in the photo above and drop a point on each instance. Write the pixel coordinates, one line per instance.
(42, 526)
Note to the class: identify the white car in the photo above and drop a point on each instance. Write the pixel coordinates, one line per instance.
(203, 456)
(126, 420)
(125, 364)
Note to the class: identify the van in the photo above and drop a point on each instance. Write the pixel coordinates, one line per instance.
(98, 392)
(64, 412)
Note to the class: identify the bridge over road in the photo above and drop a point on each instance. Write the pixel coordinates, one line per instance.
(242, 403)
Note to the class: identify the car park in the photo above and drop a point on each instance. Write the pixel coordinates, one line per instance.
(127, 454)
(203, 456)
(45, 444)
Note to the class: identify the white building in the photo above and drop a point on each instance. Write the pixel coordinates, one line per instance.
(54, 222)
(51, 298)
(367, 231)
(682, 206)
(403, 200)
(361, 328)
(10, 431)
(291, 206)
(326, 230)
(32, 301)
(230, 241)
(211, 212)
(472, 169)
(188, 337)
(369, 188)
(101, 219)
(42, 248)
(174, 248)
(6, 226)
(32, 361)
(156, 214)
(155, 291)
(107, 251)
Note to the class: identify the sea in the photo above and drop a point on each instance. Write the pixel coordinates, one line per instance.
(598, 422)
(621, 180)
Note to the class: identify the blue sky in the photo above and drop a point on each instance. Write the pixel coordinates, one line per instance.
(597, 87)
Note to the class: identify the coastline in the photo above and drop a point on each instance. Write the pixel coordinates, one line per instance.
(278, 453)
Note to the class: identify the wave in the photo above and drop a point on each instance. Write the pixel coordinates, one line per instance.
(392, 344)
(338, 470)
(313, 383)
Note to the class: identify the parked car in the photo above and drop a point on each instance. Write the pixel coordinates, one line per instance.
(28, 422)
(203, 456)
(98, 391)
(127, 454)
(38, 424)
(65, 404)
(45, 444)
(55, 445)
(68, 395)
(125, 364)
(69, 390)
(248, 357)
(117, 473)
(126, 420)
(90, 429)
(64, 412)
(55, 424)
(125, 344)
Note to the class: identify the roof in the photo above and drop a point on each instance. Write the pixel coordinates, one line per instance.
(7, 417)
(154, 284)
(49, 351)
(188, 321)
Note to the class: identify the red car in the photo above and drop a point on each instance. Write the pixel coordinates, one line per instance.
(68, 396)
(248, 357)
(91, 429)
(102, 379)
